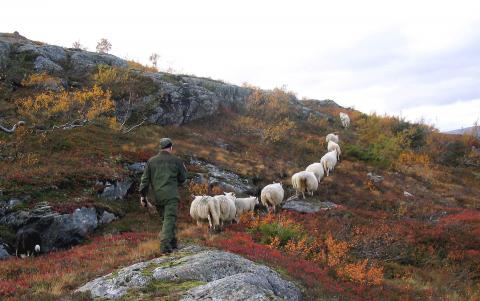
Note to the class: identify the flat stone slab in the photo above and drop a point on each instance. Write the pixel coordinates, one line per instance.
(305, 206)
(216, 275)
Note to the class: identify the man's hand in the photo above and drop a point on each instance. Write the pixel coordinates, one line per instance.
(143, 201)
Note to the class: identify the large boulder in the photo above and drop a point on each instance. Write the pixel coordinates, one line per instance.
(69, 229)
(227, 180)
(117, 190)
(57, 231)
(3, 251)
(4, 53)
(84, 62)
(20, 218)
(211, 275)
(43, 64)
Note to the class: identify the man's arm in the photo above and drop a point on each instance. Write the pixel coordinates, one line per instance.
(145, 181)
(182, 174)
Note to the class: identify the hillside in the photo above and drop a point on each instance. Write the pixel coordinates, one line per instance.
(473, 130)
(398, 219)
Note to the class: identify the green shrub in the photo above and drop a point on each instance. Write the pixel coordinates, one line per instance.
(453, 153)
(7, 234)
(357, 152)
(284, 233)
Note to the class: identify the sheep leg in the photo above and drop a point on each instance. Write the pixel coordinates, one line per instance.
(209, 221)
(303, 193)
(198, 223)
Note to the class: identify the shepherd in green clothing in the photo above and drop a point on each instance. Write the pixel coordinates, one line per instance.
(164, 173)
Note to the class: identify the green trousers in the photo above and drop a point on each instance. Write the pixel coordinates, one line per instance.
(167, 209)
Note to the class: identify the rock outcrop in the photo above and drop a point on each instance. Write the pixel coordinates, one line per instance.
(57, 231)
(171, 99)
(3, 251)
(209, 275)
(227, 180)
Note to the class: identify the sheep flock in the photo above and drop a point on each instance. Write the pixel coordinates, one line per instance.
(220, 210)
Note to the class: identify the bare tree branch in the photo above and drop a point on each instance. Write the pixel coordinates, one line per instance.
(10, 131)
(134, 127)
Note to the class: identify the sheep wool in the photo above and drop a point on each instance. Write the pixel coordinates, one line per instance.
(227, 207)
(205, 208)
(328, 161)
(334, 146)
(331, 137)
(305, 181)
(317, 169)
(272, 195)
(344, 119)
(244, 204)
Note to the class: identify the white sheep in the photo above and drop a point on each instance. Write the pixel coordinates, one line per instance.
(243, 205)
(227, 207)
(328, 161)
(304, 181)
(334, 146)
(206, 208)
(272, 195)
(317, 169)
(344, 119)
(331, 137)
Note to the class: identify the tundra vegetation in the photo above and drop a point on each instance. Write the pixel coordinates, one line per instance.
(378, 244)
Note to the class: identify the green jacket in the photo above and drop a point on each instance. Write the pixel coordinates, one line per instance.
(164, 173)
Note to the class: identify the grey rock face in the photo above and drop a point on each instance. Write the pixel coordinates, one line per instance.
(3, 252)
(245, 286)
(55, 53)
(4, 53)
(374, 178)
(69, 229)
(227, 276)
(84, 62)
(57, 230)
(117, 190)
(137, 167)
(305, 206)
(42, 212)
(181, 99)
(43, 64)
(228, 180)
(106, 218)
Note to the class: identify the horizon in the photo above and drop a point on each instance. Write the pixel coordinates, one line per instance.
(411, 60)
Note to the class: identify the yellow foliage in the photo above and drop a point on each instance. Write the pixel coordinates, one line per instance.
(61, 107)
(38, 79)
(411, 158)
(279, 131)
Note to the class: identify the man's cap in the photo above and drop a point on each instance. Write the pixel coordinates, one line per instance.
(165, 143)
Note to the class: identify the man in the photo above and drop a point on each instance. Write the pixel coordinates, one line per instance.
(164, 173)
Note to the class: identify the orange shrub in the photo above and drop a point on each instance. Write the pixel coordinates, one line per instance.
(360, 273)
(202, 189)
(336, 250)
(410, 158)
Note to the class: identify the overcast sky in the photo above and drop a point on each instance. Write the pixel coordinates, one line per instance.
(418, 59)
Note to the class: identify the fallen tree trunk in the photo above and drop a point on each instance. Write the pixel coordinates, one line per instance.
(9, 131)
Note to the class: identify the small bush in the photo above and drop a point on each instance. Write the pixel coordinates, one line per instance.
(281, 232)
(453, 153)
